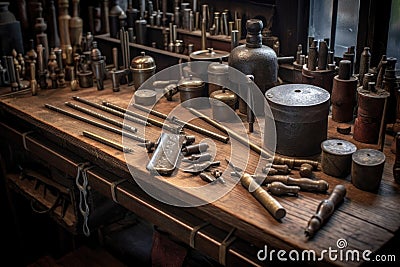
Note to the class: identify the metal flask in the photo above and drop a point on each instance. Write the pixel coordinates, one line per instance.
(223, 104)
(143, 67)
(254, 58)
(190, 88)
(300, 112)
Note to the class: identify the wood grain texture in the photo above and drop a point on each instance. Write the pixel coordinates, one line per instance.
(365, 220)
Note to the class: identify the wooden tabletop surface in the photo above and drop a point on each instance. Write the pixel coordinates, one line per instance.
(366, 221)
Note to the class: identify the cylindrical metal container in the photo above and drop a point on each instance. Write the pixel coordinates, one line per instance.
(217, 76)
(336, 157)
(369, 115)
(320, 78)
(145, 97)
(143, 67)
(223, 104)
(206, 55)
(300, 112)
(190, 88)
(343, 98)
(113, 18)
(367, 169)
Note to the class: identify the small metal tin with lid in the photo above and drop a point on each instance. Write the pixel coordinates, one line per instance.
(145, 97)
(217, 76)
(367, 169)
(336, 157)
(190, 88)
(300, 113)
(143, 67)
(206, 56)
(223, 104)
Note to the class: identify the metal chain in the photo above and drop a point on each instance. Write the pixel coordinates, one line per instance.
(83, 202)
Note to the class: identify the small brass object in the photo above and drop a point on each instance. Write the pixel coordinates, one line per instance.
(279, 189)
(306, 170)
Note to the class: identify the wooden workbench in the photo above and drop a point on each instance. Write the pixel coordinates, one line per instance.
(367, 221)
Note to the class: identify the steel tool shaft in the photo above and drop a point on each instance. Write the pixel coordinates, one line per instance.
(140, 121)
(106, 141)
(97, 124)
(130, 115)
(187, 125)
(101, 117)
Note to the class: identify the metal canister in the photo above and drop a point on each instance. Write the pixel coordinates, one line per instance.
(369, 115)
(223, 104)
(367, 169)
(145, 97)
(206, 55)
(336, 157)
(217, 76)
(300, 112)
(143, 67)
(190, 88)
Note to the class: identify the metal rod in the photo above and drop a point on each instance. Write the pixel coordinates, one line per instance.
(187, 125)
(101, 117)
(333, 25)
(121, 39)
(141, 120)
(203, 34)
(106, 141)
(291, 162)
(128, 54)
(115, 109)
(97, 124)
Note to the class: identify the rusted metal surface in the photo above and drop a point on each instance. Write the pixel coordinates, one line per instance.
(367, 169)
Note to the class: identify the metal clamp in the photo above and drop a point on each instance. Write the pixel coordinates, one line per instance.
(229, 239)
(83, 201)
(194, 232)
(113, 187)
(24, 139)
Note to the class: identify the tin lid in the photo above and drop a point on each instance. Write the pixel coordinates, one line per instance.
(298, 103)
(218, 68)
(145, 97)
(190, 82)
(209, 55)
(143, 62)
(368, 157)
(338, 147)
(225, 96)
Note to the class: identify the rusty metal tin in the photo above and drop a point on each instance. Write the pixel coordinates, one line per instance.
(369, 115)
(320, 78)
(367, 169)
(343, 99)
(190, 88)
(300, 112)
(336, 157)
(217, 76)
(223, 104)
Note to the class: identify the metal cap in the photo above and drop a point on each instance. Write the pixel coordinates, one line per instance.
(338, 147)
(369, 157)
(143, 62)
(218, 68)
(209, 55)
(225, 96)
(190, 82)
(145, 97)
